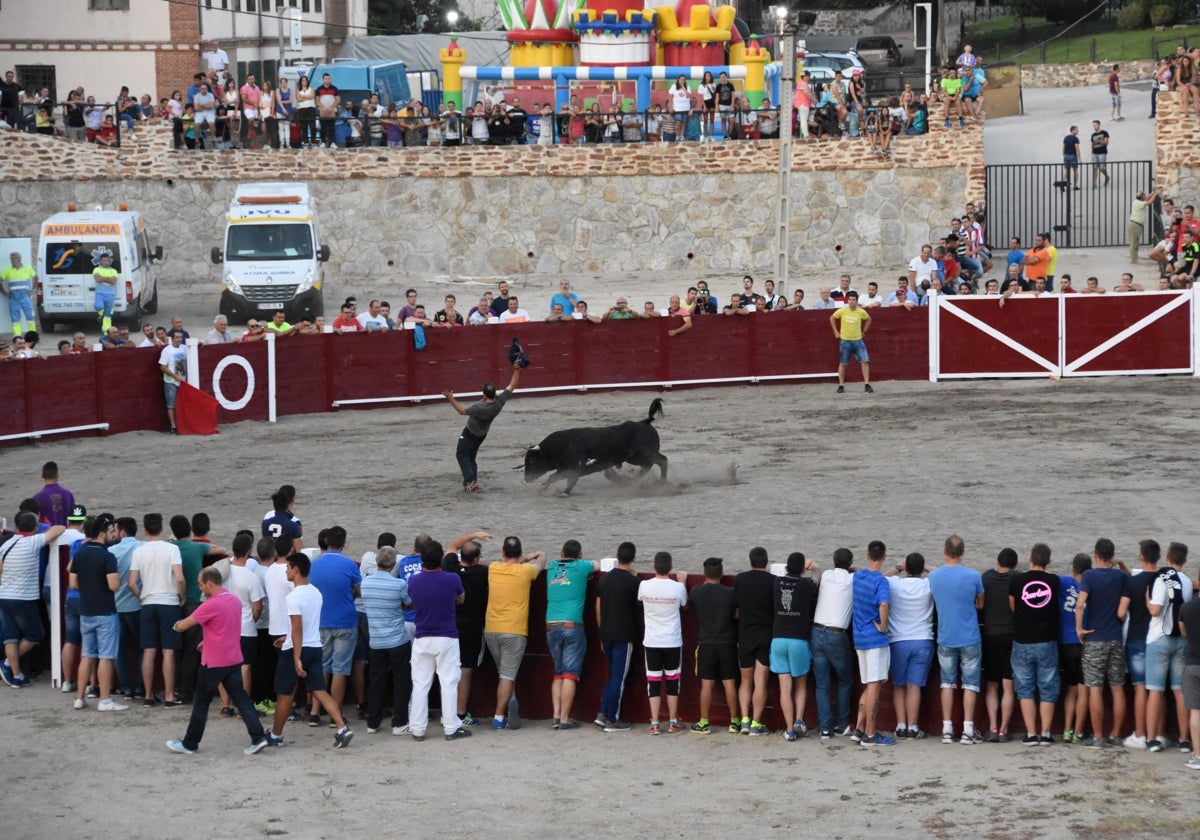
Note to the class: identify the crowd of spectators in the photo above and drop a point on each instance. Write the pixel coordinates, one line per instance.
(1017, 635)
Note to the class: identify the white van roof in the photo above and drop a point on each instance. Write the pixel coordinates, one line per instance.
(271, 201)
(91, 223)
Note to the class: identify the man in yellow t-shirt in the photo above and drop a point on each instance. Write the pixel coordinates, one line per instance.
(106, 290)
(850, 324)
(506, 625)
(17, 282)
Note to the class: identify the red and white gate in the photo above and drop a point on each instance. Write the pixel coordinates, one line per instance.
(1062, 335)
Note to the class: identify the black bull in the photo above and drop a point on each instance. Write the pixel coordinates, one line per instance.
(572, 453)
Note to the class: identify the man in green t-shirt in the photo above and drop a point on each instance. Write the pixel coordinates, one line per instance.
(952, 87)
(106, 289)
(566, 594)
(194, 556)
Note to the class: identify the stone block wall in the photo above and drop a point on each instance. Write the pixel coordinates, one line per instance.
(1177, 170)
(1083, 74)
(488, 211)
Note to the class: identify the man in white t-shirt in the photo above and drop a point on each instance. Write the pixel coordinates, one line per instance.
(303, 661)
(1165, 646)
(373, 320)
(662, 598)
(910, 634)
(172, 361)
(922, 268)
(513, 313)
(216, 59)
(156, 578)
(872, 298)
(831, 650)
(244, 583)
(20, 565)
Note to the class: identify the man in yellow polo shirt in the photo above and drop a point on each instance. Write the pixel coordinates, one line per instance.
(106, 290)
(17, 283)
(506, 624)
(850, 324)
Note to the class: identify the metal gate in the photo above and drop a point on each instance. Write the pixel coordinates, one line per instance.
(1025, 199)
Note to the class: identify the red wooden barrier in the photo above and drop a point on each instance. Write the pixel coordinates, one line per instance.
(977, 337)
(1128, 333)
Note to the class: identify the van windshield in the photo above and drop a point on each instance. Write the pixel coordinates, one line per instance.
(79, 257)
(277, 241)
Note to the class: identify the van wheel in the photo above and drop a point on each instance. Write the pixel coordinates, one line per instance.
(134, 321)
(48, 326)
(152, 306)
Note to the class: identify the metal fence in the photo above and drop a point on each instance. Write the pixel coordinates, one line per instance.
(1081, 209)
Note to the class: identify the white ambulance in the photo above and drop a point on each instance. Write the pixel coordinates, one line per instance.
(273, 257)
(70, 249)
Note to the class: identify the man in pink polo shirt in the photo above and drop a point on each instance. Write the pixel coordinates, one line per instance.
(220, 617)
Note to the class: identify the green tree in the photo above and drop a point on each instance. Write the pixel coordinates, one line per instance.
(402, 17)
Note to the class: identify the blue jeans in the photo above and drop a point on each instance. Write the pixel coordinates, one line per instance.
(616, 656)
(1036, 666)
(831, 651)
(567, 648)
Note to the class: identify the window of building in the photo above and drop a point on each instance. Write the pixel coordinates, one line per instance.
(317, 6)
(250, 5)
(108, 5)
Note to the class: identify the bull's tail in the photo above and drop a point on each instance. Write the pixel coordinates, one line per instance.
(656, 410)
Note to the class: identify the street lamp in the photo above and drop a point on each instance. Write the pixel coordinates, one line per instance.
(787, 94)
(452, 18)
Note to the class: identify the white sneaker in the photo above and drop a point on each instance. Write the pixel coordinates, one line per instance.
(401, 730)
(1135, 742)
(110, 705)
(68, 688)
(80, 703)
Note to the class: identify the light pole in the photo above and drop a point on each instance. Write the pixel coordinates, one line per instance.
(787, 93)
(452, 19)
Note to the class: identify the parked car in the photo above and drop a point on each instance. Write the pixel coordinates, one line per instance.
(879, 51)
(825, 66)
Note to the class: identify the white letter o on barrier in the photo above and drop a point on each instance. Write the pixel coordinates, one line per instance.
(240, 361)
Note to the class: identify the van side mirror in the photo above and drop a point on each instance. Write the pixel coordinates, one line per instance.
(323, 253)
(158, 254)
(216, 256)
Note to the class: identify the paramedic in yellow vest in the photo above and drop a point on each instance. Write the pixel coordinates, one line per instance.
(17, 283)
(106, 290)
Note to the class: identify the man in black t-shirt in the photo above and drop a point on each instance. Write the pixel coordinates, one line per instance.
(997, 645)
(1033, 599)
(795, 601)
(1099, 154)
(725, 91)
(1189, 623)
(93, 572)
(1133, 604)
(470, 620)
(618, 616)
(754, 598)
(716, 643)
(10, 99)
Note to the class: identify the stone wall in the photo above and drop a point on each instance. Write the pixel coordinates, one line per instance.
(1177, 170)
(487, 211)
(1083, 74)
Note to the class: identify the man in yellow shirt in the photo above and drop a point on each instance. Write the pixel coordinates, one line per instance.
(17, 282)
(106, 290)
(506, 625)
(850, 324)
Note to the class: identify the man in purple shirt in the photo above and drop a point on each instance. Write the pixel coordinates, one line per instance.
(435, 594)
(56, 500)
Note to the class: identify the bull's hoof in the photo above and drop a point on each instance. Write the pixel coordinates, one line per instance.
(564, 494)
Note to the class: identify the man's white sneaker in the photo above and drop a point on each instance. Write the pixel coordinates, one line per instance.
(1135, 742)
(110, 705)
(80, 703)
(401, 730)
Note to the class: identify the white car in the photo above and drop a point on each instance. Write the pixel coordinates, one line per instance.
(825, 66)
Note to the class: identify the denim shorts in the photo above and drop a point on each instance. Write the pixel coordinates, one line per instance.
(1036, 666)
(1164, 663)
(857, 349)
(170, 393)
(969, 659)
(567, 648)
(911, 661)
(21, 621)
(790, 656)
(101, 636)
(1135, 661)
(71, 621)
(337, 645)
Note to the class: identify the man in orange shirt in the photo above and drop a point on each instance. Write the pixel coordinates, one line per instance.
(1037, 260)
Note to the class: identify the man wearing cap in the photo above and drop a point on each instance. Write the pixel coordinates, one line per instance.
(94, 573)
(20, 561)
(479, 420)
(850, 324)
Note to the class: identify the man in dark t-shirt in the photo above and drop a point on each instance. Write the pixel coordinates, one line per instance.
(470, 619)
(1099, 628)
(754, 598)
(1134, 605)
(93, 572)
(1033, 600)
(1189, 623)
(479, 420)
(618, 615)
(716, 643)
(997, 645)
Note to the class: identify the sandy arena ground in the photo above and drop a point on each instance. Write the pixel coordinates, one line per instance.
(1000, 463)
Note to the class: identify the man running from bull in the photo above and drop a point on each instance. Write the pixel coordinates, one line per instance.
(479, 419)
